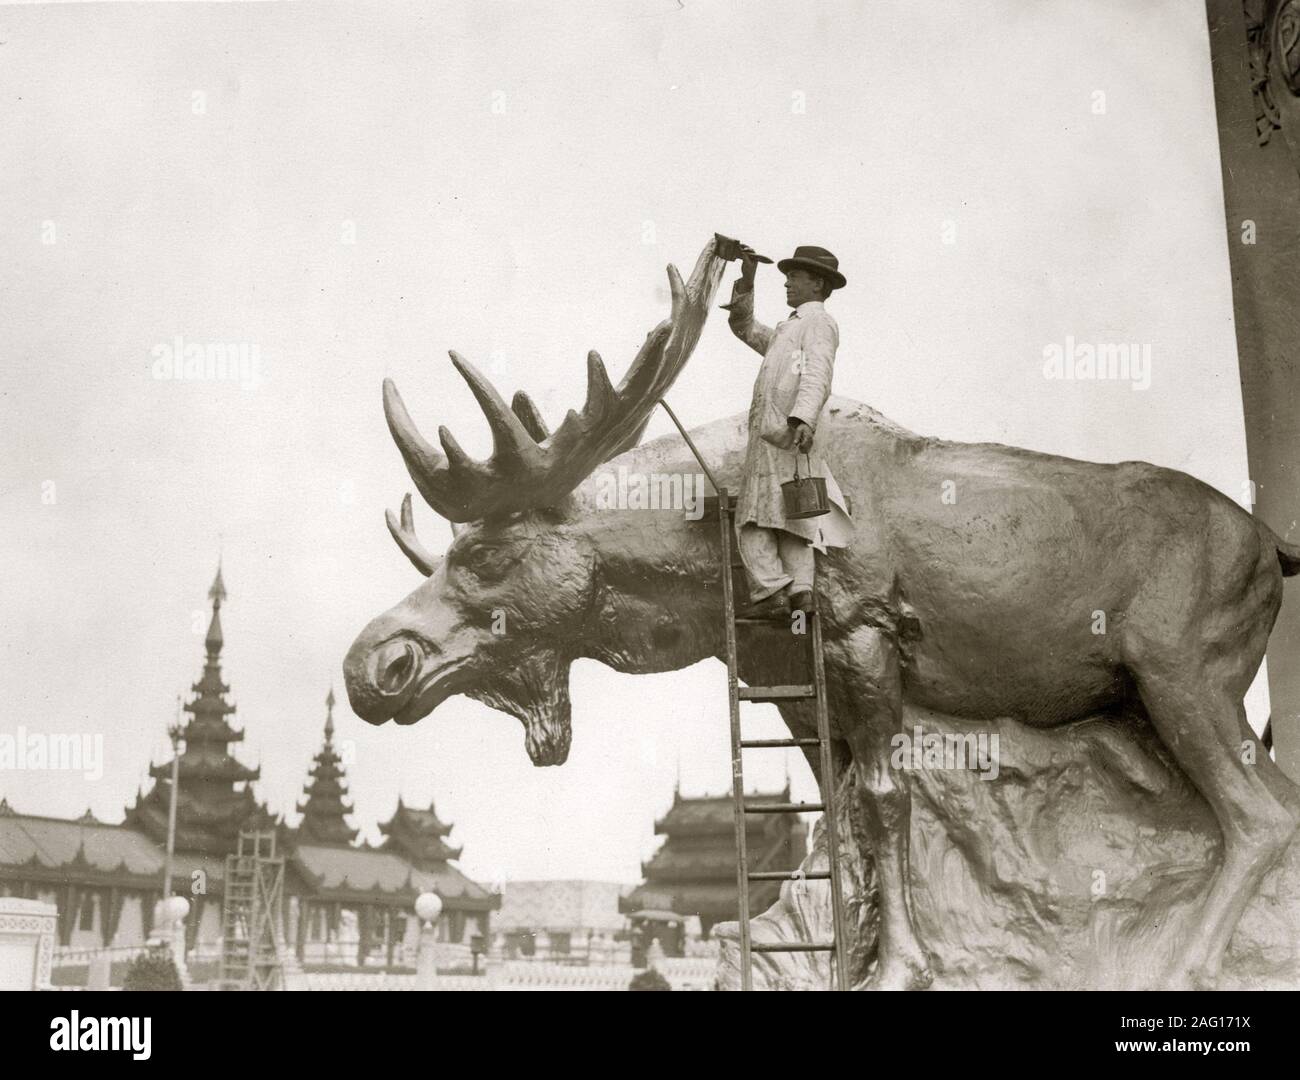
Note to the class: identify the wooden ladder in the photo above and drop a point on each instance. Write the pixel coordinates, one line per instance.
(814, 691)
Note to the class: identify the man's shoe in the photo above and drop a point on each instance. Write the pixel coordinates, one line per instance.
(802, 601)
(770, 607)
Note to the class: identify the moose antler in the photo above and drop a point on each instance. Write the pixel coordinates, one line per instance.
(530, 468)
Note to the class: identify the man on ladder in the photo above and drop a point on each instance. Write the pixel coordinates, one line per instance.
(777, 545)
(789, 394)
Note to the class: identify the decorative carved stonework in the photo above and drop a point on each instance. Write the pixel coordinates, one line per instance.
(1273, 49)
(1286, 44)
(27, 930)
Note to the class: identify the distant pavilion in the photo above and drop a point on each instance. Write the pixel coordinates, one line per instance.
(345, 903)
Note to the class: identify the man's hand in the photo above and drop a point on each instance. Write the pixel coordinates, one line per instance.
(748, 265)
(803, 436)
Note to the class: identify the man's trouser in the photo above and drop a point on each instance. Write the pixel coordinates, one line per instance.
(773, 559)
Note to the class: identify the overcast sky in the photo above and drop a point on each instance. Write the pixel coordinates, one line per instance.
(995, 178)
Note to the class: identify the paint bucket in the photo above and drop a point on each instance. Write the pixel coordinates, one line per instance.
(805, 496)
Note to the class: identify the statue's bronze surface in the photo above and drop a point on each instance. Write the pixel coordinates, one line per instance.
(987, 589)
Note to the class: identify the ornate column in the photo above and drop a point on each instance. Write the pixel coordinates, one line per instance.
(1255, 58)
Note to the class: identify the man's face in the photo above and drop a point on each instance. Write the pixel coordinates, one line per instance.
(802, 286)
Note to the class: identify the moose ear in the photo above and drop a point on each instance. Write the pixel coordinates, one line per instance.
(403, 531)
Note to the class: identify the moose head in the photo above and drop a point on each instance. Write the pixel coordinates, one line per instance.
(508, 608)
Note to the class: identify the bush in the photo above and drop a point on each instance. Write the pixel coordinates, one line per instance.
(152, 971)
(649, 979)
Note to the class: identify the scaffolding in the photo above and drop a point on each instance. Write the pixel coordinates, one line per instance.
(252, 953)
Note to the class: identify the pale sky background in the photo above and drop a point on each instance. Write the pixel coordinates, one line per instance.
(517, 180)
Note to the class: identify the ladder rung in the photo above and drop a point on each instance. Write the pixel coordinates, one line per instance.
(760, 744)
(783, 807)
(711, 506)
(790, 875)
(792, 946)
(776, 693)
(780, 620)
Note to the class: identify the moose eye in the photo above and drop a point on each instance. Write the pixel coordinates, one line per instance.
(491, 563)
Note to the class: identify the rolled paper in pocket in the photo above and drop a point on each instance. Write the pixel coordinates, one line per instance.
(780, 435)
(805, 496)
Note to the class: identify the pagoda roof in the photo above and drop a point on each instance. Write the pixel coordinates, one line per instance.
(669, 864)
(212, 866)
(64, 850)
(33, 846)
(46, 843)
(327, 771)
(333, 800)
(209, 824)
(316, 829)
(415, 819)
(418, 834)
(709, 814)
(207, 765)
(209, 725)
(349, 872)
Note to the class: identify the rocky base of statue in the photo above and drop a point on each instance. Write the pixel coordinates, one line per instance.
(1080, 865)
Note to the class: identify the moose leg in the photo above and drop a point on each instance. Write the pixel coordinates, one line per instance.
(875, 689)
(1205, 729)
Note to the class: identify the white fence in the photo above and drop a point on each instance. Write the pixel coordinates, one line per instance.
(682, 973)
(685, 973)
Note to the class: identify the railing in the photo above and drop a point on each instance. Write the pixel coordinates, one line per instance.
(75, 968)
(68, 956)
(695, 972)
(613, 954)
(682, 973)
(343, 954)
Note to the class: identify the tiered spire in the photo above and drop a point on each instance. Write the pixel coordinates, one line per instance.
(325, 808)
(212, 805)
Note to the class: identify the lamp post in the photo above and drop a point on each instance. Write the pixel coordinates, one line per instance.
(173, 733)
(428, 906)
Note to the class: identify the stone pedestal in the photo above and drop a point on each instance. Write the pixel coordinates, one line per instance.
(1082, 865)
(169, 932)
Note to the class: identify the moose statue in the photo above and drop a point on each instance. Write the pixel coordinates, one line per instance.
(1101, 621)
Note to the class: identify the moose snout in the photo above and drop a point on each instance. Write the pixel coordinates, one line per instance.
(382, 678)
